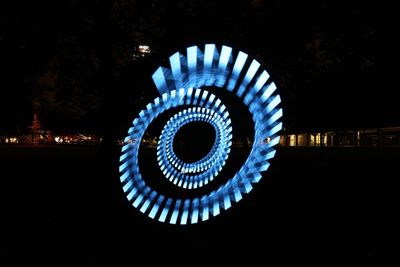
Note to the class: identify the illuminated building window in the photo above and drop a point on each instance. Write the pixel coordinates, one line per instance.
(292, 140)
(318, 139)
(325, 140)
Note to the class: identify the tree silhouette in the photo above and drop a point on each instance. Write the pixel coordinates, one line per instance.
(35, 127)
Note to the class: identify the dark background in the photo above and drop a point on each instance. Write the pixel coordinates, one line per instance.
(70, 62)
(65, 206)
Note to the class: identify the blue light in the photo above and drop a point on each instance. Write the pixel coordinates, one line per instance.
(164, 213)
(224, 59)
(237, 68)
(192, 59)
(159, 80)
(156, 207)
(195, 213)
(249, 75)
(210, 55)
(175, 169)
(176, 68)
(179, 87)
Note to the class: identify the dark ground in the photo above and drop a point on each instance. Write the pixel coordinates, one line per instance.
(63, 206)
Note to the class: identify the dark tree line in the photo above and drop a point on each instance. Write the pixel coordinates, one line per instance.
(70, 61)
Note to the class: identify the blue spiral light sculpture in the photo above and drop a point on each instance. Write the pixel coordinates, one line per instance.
(181, 87)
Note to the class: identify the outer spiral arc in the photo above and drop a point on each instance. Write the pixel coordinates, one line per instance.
(212, 68)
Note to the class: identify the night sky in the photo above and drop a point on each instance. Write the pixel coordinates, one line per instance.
(70, 61)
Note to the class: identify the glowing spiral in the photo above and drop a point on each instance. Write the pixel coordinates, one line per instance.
(181, 87)
(175, 169)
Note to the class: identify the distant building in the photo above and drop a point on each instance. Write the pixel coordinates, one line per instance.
(141, 51)
(368, 137)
